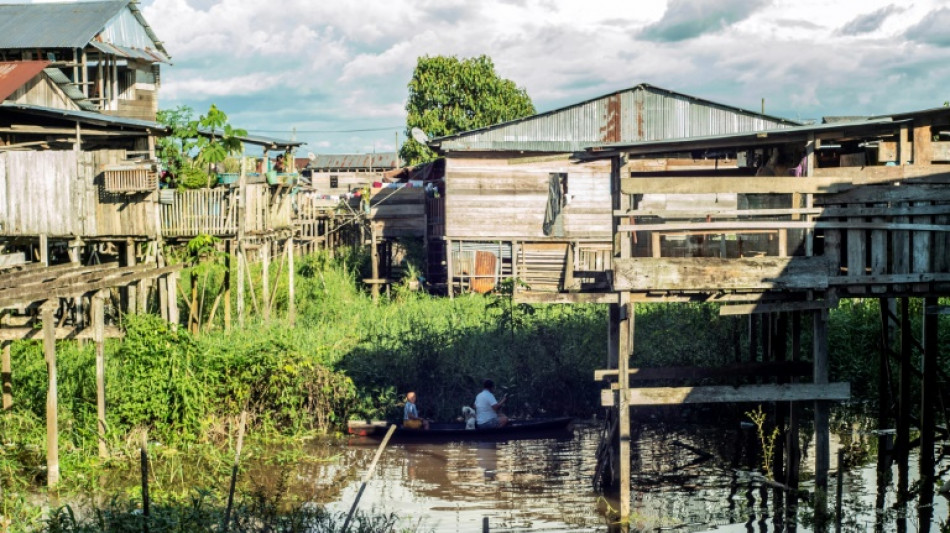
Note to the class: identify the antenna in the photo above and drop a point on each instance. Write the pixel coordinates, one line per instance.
(419, 135)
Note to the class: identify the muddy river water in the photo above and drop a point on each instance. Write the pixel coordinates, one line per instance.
(685, 479)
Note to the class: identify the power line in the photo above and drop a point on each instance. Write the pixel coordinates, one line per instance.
(330, 131)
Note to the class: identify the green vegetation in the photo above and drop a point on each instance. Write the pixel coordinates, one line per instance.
(449, 95)
(188, 155)
(346, 358)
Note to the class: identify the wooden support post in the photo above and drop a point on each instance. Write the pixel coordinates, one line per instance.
(173, 316)
(163, 296)
(98, 325)
(6, 376)
(44, 249)
(291, 291)
(822, 436)
(52, 419)
(265, 278)
(241, 258)
(792, 447)
(883, 367)
(229, 261)
(374, 260)
(903, 402)
(624, 351)
(150, 255)
(131, 293)
(903, 147)
(928, 404)
(449, 269)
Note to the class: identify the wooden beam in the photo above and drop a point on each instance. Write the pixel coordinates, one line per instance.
(291, 291)
(64, 272)
(822, 431)
(742, 226)
(748, 309)
(887, 193)
(535, 297)
(715, 274)
(61, 333)
(925, 277)
(695, 372)
(785, 392)
(740, 185)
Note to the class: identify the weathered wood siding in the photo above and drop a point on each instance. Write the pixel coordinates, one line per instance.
(60, 194)
(399, 212)
(42, 92)
(214, 211)
(505, 197)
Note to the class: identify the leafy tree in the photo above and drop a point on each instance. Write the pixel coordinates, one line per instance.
(448, 95)
(185, 151)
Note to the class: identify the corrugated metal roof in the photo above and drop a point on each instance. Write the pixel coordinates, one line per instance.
(14, 74)
(85, 117)
(259, 140)
(131, 53)
(735, 140)
(71, 90)
(55, 25)
(381, 160)
(640, 113)
(76, 24)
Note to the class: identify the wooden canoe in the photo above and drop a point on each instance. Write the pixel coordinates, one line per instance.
(516, 429)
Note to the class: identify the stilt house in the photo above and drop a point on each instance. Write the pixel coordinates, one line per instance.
(103, 55)
(518, 204)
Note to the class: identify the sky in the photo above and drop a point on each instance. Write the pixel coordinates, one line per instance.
(336, 71)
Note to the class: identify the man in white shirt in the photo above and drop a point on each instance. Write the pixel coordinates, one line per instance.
(486, 408)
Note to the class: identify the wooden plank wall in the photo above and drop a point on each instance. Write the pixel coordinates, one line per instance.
(399, 212)
(109, 214)
(37, 193)
(267, 209)
(207, 211)
(502, 196)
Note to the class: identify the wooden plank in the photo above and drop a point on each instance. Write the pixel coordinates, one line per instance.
(6, 376)
(693, 372)
(923, 150)
(786, 392)
(744, 185)
(62, 333)
(749, 309)
(99, 337)
(535, 297)
(740, 226)
(715, 274)
(927, 277)
(887, 193)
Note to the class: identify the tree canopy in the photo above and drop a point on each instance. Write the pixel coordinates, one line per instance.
(449, 95)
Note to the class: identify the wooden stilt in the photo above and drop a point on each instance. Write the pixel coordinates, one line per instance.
(241, 257)
(928, 408)
(903, 403)
(98, 325)
(228, 261)
(624, 351)
(173, 316)
(265, 278)
(291, 291)
(131, 292)
(143, 284)
(52, 420)
(44, 249)
(449, 272)
(163, 295)
(822, 436)
(374, 261)
(6, 376)
(792, 447)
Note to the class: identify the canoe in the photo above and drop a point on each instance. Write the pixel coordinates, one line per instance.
(516, 429)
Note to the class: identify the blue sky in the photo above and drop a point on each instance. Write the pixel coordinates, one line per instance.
(330, 68)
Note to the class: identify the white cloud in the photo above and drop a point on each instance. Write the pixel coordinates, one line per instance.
(345, 65)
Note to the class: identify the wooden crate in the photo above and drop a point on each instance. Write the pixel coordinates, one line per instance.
(130, 179)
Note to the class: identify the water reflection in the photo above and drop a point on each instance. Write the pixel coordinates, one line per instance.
(684, 480)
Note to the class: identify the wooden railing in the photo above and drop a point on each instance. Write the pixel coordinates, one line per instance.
(200, 211)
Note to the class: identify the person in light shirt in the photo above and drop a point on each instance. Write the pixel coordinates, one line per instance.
(411, 418)
(487, 407)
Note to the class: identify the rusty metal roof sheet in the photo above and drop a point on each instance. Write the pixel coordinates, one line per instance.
(381, 160)
(640, 113)
(14, 74)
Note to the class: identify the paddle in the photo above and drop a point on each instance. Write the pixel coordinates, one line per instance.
(368, 476)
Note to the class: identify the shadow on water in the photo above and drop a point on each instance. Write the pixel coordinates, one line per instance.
(687, 477)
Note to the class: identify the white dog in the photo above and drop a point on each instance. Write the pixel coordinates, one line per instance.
(469, 415)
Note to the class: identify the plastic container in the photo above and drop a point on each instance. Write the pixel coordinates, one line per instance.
(228, 178)
(271, 177)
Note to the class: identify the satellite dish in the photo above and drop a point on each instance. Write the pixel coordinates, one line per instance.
(419, 135)
(311, 156)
